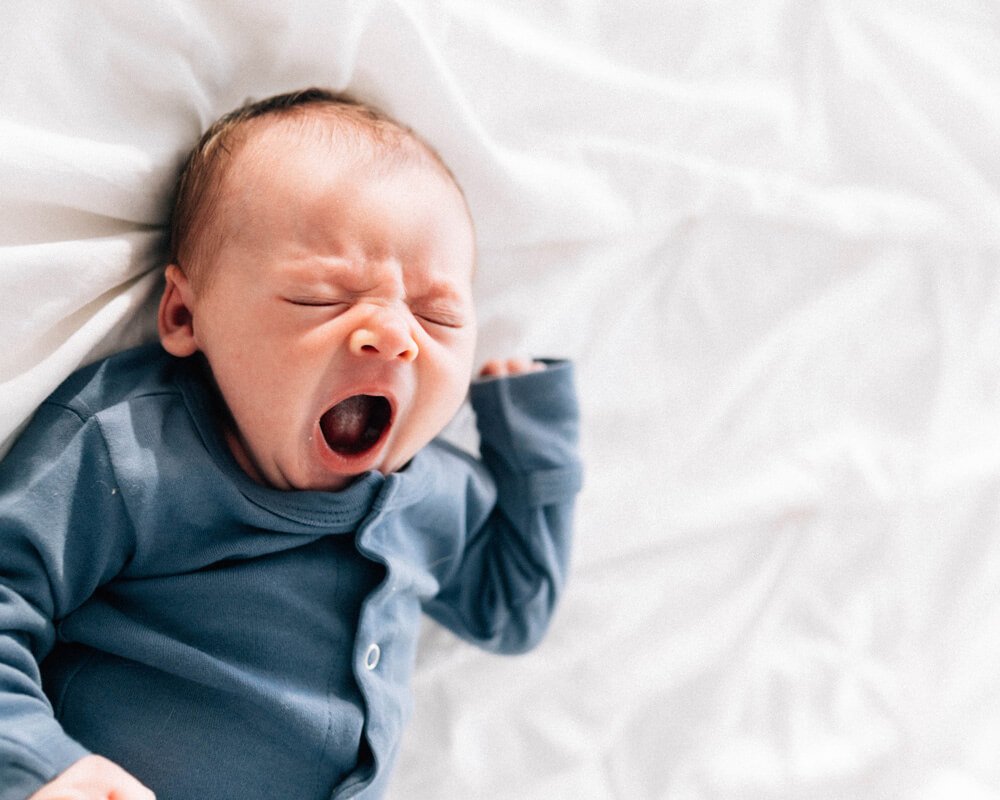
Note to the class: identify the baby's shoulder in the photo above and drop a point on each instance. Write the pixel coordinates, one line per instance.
(142, 371)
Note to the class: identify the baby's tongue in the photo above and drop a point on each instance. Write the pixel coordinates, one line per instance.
(345, 425)
(354, 424)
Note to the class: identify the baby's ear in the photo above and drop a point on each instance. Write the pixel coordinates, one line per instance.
(175, 320)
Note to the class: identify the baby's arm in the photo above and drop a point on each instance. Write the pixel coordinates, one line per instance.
(502, 588)
(63, 532)
(94, 778)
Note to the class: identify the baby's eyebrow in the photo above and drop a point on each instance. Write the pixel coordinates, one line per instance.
(442, 303)
(359, 279)
(438, 290)
(341, 273)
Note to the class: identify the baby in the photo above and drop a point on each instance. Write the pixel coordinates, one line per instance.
(214, 551)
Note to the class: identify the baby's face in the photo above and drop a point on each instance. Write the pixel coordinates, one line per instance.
(338, 322)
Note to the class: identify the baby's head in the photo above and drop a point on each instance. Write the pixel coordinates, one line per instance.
(321, 261)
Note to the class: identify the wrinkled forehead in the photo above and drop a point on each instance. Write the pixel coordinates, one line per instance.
(317, 144)
(293, 177)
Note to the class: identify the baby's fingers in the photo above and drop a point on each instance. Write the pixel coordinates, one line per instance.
(498, 367)
(93, 778)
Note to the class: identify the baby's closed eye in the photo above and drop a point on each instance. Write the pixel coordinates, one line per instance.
(442, 318)
(321, 302)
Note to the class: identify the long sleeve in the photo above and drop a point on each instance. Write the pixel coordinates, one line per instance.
(63, 531)
(505, 586)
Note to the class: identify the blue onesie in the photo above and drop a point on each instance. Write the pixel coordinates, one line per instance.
(223, 640)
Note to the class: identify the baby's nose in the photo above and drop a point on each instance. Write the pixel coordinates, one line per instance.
(386, 335)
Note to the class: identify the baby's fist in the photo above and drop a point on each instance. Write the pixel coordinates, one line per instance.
(93, 778)
(498, 367)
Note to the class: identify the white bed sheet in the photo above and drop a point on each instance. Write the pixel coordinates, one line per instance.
(767, 232)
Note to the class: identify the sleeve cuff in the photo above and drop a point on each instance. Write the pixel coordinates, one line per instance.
(529, 429)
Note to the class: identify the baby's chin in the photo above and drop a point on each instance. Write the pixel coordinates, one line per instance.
(337, 482)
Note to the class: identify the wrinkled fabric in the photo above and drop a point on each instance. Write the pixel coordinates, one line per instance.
(767, 234)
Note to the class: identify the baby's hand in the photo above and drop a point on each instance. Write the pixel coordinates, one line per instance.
(94, 778)
(498, 367)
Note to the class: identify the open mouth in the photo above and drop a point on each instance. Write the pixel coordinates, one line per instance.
(356, 424)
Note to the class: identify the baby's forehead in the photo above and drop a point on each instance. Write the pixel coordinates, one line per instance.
(293, 170)
(286, 143)
(345, 133)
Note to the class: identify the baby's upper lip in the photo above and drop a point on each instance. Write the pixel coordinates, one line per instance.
(374, 390)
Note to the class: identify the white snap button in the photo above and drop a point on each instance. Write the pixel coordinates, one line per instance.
(372, 656)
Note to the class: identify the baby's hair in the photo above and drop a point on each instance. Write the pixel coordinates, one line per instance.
(196, 196)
